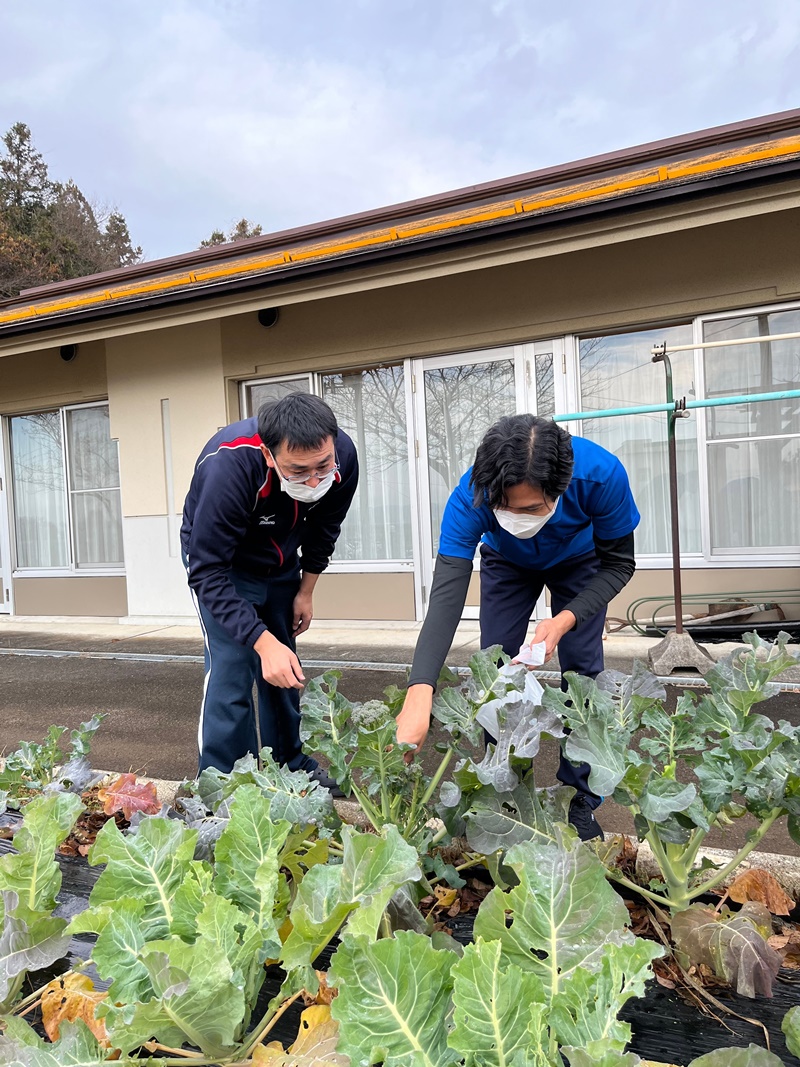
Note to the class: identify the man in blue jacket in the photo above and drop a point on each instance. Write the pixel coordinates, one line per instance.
(263, 490)
(550, 510)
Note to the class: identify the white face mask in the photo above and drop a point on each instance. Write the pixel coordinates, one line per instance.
(307, 493)
(522, 526)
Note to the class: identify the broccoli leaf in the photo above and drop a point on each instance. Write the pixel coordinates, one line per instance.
(325, 726)
(393, 1002)
(499, 820)
(492, 1003)
(33, 873)
(563, 908)
(26, 944)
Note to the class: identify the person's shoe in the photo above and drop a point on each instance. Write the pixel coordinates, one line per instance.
(582, 818)
(320, 775)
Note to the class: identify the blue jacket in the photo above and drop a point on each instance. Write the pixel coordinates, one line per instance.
(598, 503)
(237, 518)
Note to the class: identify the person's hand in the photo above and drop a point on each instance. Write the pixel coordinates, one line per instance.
(279, 665)
(302, 613)
(550, 631)
(414, 720)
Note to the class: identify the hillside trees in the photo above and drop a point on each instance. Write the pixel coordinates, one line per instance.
(49, 230)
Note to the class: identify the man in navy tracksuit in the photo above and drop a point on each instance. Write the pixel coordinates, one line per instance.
(548, 510)
(263, 490)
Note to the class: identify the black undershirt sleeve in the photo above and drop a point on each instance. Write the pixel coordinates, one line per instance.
(448, 596)
(449, 593)
(617, 564)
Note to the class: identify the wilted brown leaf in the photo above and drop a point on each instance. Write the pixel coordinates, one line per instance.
(315, 1045)
(68, 999)
(324, 994)
(763, 887)
(128, 795)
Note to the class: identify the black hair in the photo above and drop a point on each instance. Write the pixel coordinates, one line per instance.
(517, 449)
(299, 420)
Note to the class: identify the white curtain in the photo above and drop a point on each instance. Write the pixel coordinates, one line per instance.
(40, 513)
(94, 488)
(754, 449)
(370, 407)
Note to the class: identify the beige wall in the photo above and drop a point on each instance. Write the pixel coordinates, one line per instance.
(39, 380)
(182, 365)
(646, 281)
(70, 596)
(389, 597)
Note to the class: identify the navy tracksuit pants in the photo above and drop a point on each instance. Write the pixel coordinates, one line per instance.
(227, 729)
(508, 597)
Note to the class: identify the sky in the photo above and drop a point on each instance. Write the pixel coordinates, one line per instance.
(188, 115)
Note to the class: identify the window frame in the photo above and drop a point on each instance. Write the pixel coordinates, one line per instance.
(72, 570)
(707, 557)
(351, 566)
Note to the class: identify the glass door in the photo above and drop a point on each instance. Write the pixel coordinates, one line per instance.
(456, 398)
(5, 554)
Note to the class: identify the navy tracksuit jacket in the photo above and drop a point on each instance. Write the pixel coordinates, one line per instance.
(241, 536)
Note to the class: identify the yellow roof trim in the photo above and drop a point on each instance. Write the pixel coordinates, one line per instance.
(584, 192)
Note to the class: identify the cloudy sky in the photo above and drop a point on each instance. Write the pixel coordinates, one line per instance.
(189, 114)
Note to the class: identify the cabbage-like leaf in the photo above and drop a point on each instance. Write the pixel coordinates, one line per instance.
(373, 868)
(325, 725)
(379, 756)
(791, 1030)
(752, 1056)
(197, 999)
(149, 866)
(735, 949)
(246, 867)
(662, 797)
(587, 1005)
(76, 1047)
(635, 692)
(491, 682)
(393, 1002)
(33, 873)
(223, 923)
(492, 1006)
(518, 731)
(563, 912)
(596, 1057)
(26, 944)
(116, 953)
(500, 820)
(293, 795)
(601, 730)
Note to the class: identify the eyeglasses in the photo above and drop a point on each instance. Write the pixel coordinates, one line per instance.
(302, 478)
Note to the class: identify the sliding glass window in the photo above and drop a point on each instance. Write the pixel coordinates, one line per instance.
(66, 493)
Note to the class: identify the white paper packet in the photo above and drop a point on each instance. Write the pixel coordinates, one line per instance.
(531, 655)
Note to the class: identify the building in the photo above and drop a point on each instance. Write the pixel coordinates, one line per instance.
(421, 323)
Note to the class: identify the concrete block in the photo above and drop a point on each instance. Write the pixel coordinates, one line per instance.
(679, 652)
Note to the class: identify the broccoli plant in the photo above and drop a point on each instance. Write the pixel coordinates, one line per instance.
(491, 798)
(738, 761)
(38, 767)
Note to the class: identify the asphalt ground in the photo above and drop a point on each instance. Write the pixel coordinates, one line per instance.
(152, 707)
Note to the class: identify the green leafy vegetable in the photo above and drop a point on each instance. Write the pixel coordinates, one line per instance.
(393, 1002)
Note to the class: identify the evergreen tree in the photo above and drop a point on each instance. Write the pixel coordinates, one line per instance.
(240, 232)
(49, 231)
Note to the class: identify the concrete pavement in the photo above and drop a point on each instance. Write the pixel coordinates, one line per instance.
(148, 678)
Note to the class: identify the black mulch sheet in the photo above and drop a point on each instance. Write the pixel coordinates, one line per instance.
(665, 1026)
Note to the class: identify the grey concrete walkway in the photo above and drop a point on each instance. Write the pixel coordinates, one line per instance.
(148, 679)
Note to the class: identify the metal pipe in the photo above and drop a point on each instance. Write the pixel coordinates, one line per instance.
(672, 452)
(732, 341)
(715, 402)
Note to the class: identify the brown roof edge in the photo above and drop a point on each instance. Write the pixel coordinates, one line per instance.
(715, 135)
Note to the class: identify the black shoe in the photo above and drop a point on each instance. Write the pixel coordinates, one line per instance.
(320, 775)
(582, 818)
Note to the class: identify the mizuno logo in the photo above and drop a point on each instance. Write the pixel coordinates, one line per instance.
(266, 520)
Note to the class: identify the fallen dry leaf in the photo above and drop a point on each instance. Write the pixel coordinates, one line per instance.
(445, 896)
(315, 1045)
(763, 887)
(68, 999)
(128, 795)
(324, 994)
